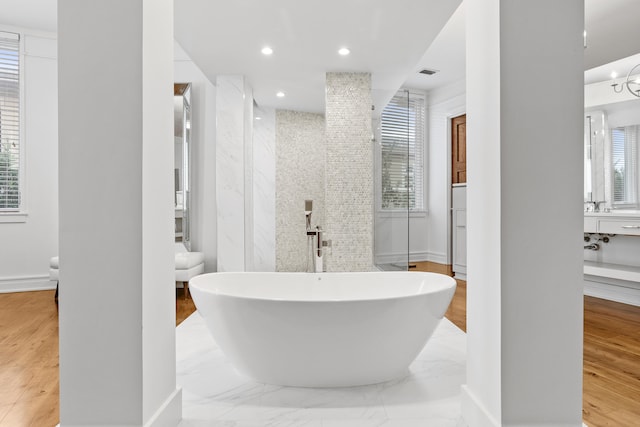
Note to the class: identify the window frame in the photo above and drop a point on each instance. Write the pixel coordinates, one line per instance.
(413, 212)
(630, 151)
(19, 214)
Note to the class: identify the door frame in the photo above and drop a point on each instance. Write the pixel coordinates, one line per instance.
(456, 112)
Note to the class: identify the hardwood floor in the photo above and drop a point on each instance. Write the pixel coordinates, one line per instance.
(29, 379)
(184, 306)
(29, 357)
(611, 390)
(611, 367)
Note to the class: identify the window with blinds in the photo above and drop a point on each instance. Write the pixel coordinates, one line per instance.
(9, 121)
(624, 155)
(402, 152)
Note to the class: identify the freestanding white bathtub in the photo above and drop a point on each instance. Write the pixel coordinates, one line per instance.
(322, 329)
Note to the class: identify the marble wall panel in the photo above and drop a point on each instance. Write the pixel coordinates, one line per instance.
(264, 189)
(230, 172)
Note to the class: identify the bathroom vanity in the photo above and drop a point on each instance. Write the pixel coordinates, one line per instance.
(608, 280)
(625, 222)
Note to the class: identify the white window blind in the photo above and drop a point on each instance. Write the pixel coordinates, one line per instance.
(624, 155)
(402, 152)
(9, 121)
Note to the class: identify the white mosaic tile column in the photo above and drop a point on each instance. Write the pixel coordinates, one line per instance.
(264, 189)
(349, 172)
(300, 168)
(232, 112)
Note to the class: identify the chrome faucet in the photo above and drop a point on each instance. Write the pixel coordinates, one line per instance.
(598, 204)
(593, 206)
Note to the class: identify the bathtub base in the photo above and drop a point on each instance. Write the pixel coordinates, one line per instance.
(327, 381)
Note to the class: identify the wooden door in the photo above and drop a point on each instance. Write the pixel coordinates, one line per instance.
(459, 149)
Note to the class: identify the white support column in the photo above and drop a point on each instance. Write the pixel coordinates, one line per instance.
(234, 124)
(524, 122)
(117, 290)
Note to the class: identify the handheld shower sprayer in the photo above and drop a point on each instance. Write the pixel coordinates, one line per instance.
(308, 208)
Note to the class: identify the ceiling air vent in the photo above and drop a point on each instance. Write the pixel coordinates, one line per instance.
(428, 72)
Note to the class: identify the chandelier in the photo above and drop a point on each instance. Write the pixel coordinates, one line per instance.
(632, 83)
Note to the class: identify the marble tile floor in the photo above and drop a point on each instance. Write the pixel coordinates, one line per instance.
(215, 395)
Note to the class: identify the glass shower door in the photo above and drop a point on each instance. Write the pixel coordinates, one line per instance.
(393, 191)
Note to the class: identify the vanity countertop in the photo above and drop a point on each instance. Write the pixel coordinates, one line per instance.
(615, 213)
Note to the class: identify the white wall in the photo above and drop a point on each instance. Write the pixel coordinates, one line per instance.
(601, 93)
(27, 246)
(444, 104)
(391, 232)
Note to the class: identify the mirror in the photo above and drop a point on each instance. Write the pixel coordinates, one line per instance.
(182, 160)
(611, 156)
(594, 136)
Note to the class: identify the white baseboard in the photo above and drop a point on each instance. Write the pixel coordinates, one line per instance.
(601, 288)
(438, 258)
(27, 283)
(473, 411)
(170, 412)
(475, 414)
(460, 271)
(614, 282)
(390, 258)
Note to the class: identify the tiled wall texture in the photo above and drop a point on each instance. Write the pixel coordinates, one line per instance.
(349, 172)
(300, 175)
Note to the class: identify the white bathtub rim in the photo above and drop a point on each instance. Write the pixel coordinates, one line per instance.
(449, 286)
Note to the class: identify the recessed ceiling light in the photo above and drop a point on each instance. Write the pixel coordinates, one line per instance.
(614, 74)
(266, 50)
(258, 118)
(280, 94)
(344, 51)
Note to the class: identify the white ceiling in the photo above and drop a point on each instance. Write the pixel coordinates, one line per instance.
(34, 14)
(446, 55)
(613, 44)
(391, 39)
(612, 31)
(621, 67)
(386, 38)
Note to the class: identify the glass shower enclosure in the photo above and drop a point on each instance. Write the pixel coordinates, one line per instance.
(395, 186)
